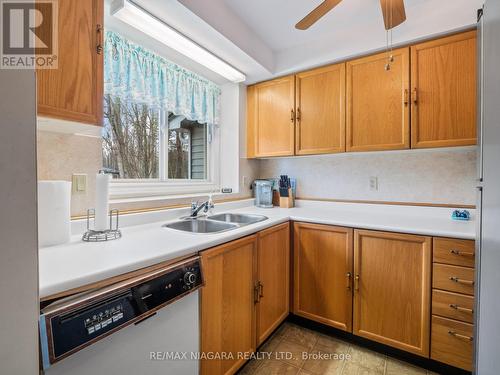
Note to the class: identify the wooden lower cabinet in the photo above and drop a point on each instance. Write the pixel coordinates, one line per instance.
(227, 304)
(452, 342)
(392, 289)
(322, 269)
(273, 284)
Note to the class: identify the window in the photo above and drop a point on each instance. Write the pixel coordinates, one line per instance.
(144, 145)
(161, 124)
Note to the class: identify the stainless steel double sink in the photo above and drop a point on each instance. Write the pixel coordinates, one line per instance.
(215, 223)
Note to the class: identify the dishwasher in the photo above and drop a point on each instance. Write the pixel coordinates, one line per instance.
(146, 325)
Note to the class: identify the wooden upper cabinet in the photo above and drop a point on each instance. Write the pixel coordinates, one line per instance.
(320, 106)
(74, 91)
(273, 119)
(392, 289)
(323, 274)
(227, 304)
(273, 264)
(378, 114)
(443, 77)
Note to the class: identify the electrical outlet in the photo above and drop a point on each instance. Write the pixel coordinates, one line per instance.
(373, 183)
(244, 181)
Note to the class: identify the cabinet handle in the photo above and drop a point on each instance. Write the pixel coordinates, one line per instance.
(261, 290)
(463, 253)
(298, 114)
(459, 336)
(415, 96)
(462, 309)
(292, 116)
(99, 33)
(348, 276)
(356, 282)
(256, 293)
(461, 281)
(406, 97)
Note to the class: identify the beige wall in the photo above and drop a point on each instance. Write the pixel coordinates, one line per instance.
(62, 155)
(426, 176)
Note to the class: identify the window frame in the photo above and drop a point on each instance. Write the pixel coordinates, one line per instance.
(164, 187)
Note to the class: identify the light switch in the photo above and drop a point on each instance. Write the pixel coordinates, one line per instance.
(79, 183)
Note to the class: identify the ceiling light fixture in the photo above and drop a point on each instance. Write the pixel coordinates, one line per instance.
(140, 19)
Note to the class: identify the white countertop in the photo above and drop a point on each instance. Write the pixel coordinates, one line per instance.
(145, 242)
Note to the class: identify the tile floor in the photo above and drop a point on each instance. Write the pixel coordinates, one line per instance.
(325, 356)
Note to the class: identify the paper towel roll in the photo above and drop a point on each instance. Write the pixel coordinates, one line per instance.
(102, 201)
(54, 201)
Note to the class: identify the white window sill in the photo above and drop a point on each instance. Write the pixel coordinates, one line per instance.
(174, 198)
(127, 190)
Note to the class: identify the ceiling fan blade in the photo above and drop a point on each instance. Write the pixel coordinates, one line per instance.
(316, 14)
(394, 13)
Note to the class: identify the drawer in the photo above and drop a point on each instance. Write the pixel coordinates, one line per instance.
(453, 278)
(451, 342)
(453, 251)
(453, 305)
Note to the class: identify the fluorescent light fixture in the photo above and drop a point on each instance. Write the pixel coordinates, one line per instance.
(138, 18)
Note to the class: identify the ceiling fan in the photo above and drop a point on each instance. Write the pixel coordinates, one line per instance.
(393, 11)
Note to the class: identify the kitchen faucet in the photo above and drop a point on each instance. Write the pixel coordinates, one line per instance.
(196, 207)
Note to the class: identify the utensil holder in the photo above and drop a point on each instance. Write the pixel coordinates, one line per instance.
(287, 202)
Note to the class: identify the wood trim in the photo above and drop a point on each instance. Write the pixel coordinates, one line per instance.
(418, 204)
(341, 67)
(115, 279)
(251, 122)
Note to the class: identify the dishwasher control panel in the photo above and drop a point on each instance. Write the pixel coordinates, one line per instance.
(72, 324)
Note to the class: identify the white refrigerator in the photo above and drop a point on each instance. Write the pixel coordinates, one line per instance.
(487, 336)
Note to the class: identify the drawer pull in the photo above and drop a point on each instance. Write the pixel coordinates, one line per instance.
(461, 281)
(462, 309)
(459, 336)
(462, 253)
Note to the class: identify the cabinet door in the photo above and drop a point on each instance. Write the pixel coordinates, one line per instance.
(378, 115)
(74, 91)
(322, 270)
(320, 101)
(273, 264)
(227, 304)
(392, 289)
(444, 92)
(275, 117)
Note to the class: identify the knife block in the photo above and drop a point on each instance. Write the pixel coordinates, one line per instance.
(287, 202)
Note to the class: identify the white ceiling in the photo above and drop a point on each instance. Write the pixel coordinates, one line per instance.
(258, 37)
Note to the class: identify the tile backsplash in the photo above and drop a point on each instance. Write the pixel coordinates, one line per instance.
(425, 176)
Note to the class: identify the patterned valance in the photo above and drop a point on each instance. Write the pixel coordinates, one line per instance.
(134, 73)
